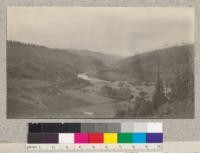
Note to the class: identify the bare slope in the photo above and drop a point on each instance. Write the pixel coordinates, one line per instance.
(37, 73)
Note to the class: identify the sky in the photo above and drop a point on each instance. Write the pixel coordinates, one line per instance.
(123, 31)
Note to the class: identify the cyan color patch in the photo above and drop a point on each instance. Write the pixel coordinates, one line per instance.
(139, 137)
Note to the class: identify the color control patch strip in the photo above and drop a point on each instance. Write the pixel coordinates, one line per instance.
(107, 133)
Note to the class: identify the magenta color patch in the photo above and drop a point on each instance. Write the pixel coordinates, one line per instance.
(81, 137)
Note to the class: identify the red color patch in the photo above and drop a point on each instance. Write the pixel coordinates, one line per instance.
(95, 137)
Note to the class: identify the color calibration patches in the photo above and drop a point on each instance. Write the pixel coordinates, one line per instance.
(84, 133)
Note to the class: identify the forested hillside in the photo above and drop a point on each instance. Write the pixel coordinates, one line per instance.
(170, 61)
(172, 71)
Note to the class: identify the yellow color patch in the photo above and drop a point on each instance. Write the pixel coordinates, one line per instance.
(110, 137)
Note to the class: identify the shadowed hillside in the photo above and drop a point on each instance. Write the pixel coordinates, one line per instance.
(17, 50)
(170, 60)
(35, 72)
(172, 71)
(169, 70)
(57, 83)
(143, 66)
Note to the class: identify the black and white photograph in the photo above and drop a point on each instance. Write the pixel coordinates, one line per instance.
(100, 62)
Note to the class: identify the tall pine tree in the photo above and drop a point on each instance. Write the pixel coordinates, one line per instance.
(159, 94)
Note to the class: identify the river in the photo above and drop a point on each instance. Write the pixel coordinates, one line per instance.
(105, 104)
(84, 76)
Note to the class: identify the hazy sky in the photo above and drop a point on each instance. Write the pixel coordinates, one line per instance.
(123, 31)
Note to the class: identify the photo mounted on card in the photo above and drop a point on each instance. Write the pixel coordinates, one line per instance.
(100, 62)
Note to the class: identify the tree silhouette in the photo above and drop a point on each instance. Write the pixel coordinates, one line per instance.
(159, 94)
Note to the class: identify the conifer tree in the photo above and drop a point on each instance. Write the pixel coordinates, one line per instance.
(159, 94)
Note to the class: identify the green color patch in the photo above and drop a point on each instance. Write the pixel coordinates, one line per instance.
(125, 137)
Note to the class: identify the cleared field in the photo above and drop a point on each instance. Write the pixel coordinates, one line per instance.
(92, 98)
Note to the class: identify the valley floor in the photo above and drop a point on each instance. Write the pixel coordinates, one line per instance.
(26, 101)
(40, 99)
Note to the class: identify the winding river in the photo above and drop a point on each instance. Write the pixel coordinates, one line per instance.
(84, 76)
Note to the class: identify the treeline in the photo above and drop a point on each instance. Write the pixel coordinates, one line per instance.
(13, 44)
(181, 89)
(174, 88)
(117, 94)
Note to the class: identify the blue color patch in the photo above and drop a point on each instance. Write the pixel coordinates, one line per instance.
(139, 137)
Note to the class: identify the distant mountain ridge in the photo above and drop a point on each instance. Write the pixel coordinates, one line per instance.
(105, 58)
(39, 63)
(79, 62)
(144, 66)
